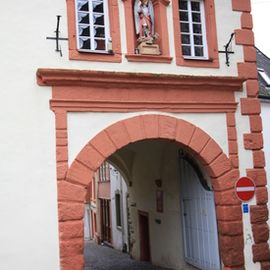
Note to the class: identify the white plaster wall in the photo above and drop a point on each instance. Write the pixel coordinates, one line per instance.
(28, 205)
(118, 185)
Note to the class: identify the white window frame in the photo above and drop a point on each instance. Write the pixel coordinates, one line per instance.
(191, 33)
(106, 26)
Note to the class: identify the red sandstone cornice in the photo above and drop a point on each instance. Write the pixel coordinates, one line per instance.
(106, 79)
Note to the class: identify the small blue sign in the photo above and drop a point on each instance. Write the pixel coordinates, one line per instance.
(245, 208)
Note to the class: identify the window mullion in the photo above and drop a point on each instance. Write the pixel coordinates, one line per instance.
(106, 23)
(191, 29)
(91, 15)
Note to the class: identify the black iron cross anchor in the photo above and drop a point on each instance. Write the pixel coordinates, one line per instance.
(57, 38)
(227, 52)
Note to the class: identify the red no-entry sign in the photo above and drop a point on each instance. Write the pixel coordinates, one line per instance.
(245, 188)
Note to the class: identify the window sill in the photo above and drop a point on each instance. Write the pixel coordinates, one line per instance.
(197, 58)
(95, 56)
(148, 58)
(197, 62)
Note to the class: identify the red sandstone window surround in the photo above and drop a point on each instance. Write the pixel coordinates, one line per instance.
(83, 48)
(195, 33)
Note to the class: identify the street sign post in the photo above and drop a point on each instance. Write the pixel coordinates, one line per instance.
(245, 189)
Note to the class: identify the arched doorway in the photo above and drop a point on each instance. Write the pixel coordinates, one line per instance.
(71, 191)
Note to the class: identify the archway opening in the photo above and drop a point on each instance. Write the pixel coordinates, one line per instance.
(137, 205)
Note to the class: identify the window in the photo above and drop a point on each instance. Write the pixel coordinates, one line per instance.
(93, 30)
(118, 209)
(264, 76)
(195, 33)
(104, 172)
(93, 34)
(192, 27)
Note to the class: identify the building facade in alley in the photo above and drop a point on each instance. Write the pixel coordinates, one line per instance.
(163, 90)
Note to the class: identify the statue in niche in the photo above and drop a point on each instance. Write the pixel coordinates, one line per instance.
(144, 25)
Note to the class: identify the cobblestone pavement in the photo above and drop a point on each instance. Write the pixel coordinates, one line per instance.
(104, 258)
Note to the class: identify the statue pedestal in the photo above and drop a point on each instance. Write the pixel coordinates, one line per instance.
(148, 49)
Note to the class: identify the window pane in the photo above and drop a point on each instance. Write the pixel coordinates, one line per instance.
(183, 16)
(198, 40)
(183, 5)
(98, 19)
(83, 18)
(184, 27)
(100, 44)
(98, 7)
(99, 32)
(195, 6)
(196, 17)
(186, 50)
(85, 44)
(198, 51)
(197, 28)
(84, 30)
(185, 39)
(83, 6)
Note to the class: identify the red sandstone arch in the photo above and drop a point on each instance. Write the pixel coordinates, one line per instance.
(72, 190)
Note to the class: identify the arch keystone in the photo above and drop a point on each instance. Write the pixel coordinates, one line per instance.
(167, 127)
(150, 126)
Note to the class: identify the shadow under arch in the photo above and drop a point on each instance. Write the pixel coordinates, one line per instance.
(72, 190)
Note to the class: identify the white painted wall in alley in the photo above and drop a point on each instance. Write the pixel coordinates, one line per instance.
(119, 234)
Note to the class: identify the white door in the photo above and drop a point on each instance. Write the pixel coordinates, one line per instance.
(199, 220)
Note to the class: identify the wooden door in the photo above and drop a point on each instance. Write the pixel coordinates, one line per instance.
(105, 214)
(144, 236)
